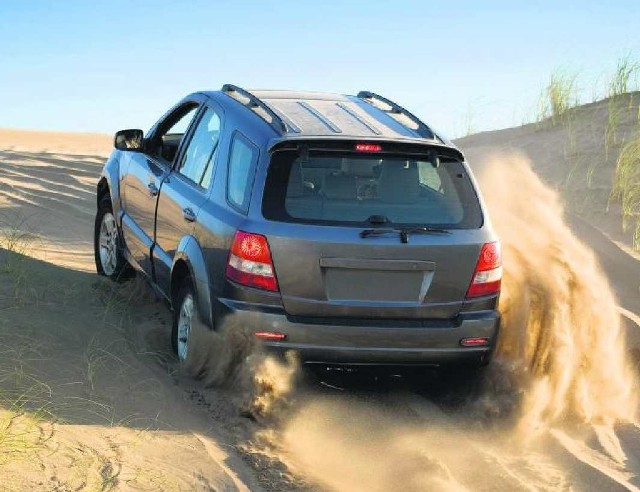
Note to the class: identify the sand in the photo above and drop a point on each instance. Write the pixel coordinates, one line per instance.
(91, 144)
(88, 400)
(90, 396)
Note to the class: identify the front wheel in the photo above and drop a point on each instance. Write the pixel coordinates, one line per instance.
(109, 259)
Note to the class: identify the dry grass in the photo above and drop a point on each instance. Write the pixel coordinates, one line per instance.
(31, 405)
(17, 237)
(558, 97)
(626, 187)
(625, 77)
(42, 402)
(620, 141)
(623, 80)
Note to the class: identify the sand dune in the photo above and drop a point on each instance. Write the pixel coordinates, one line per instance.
(576, 156)
(90, 144)
(90, 396)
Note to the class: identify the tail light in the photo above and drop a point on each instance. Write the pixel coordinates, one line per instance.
(488, 273)
(250, 262)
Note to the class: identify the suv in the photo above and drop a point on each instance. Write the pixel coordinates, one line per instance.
(340, 227)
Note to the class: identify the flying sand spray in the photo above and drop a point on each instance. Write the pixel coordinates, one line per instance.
(561, 362)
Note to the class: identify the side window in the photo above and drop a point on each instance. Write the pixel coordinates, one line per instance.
(242, 163)
(181, 126)
(166, 142)
(199, 158)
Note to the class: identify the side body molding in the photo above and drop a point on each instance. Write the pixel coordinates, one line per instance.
(189, 251)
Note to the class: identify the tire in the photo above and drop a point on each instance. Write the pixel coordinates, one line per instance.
(107, 244)
(190, 338)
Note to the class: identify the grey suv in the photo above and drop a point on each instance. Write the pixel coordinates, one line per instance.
(341, 227)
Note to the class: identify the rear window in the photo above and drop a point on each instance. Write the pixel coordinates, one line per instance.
(326, 188)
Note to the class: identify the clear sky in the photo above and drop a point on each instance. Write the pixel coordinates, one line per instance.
(103, 65)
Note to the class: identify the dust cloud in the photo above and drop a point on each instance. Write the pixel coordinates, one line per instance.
(234, 357)
(560, 321)
(559, 388)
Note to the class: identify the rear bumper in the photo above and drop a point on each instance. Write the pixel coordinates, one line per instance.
(372, 342)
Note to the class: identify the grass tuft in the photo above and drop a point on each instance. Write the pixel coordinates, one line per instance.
(623, 81)
(625, 77)
(468, 122)
(558, 97)
(626, 188)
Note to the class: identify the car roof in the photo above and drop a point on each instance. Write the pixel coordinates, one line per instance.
(297, 115)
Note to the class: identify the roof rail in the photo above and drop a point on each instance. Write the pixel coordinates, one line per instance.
(254, 102)
(423, 130)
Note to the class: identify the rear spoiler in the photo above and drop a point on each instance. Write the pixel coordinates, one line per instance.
(348, 145)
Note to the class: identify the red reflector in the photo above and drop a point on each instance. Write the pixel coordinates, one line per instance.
(271, 335)
(474, 342)
(487, 276)
(250, 262)
(363, 147)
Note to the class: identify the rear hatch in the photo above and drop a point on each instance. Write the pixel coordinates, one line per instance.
(363, 231)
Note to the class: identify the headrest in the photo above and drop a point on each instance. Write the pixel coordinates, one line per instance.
(295, 188)
(340, 187)
(359, 167)
(399, 183)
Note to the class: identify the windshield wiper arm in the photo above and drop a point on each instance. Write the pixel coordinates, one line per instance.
(403, 231)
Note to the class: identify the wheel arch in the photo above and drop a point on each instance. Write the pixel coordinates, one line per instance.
(108, 184)
(189, 262)
(102, 189)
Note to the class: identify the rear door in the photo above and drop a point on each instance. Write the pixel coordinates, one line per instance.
(323, 201)
(184, 192)
(143, 179)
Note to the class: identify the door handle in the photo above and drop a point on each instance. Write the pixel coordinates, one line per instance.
(153, 189)
(188, 215)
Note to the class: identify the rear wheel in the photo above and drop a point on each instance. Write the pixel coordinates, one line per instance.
(109, 259)
(188, 334)
(183, 320)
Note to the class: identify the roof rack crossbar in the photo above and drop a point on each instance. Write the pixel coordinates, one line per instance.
(323, 119)
(359, 118)
(423, 130)
(254, 102)
(287, 121)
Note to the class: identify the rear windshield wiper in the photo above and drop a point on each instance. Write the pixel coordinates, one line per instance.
(403, 231)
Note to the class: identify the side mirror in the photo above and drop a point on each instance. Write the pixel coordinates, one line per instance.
(129, 140)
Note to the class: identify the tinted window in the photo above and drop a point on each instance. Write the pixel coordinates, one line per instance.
(198, 160)
(329, 188)
(167, 139)
(181, 126)
(242, 162)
